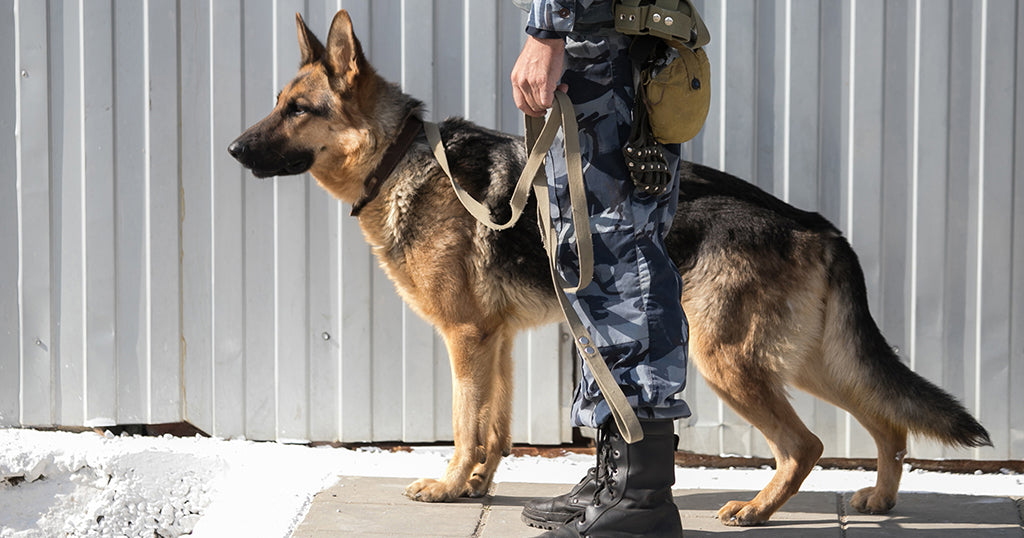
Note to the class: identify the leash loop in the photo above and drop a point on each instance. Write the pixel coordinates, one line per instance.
(540, 135)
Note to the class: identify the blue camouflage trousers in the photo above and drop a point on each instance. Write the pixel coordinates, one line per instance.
(632, 306)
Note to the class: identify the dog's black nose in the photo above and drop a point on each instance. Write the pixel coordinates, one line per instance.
(237, 149)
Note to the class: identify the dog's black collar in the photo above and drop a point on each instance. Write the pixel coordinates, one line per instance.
(371, 185)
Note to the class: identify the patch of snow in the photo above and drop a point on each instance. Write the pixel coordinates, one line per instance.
(65, 484)
(54, 484)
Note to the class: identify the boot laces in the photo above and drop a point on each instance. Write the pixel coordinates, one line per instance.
(607, 470)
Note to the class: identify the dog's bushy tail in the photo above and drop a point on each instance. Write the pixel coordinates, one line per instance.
(900, 396)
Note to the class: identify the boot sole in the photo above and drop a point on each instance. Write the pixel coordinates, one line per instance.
(541, 524)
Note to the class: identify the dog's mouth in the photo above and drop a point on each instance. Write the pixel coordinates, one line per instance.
(295, 166)
(264, 161)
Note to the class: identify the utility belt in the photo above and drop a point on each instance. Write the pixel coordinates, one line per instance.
(672, 100)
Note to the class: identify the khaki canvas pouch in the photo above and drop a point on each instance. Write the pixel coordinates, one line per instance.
(678, 97)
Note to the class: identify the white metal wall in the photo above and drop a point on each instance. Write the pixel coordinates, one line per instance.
(146, 277)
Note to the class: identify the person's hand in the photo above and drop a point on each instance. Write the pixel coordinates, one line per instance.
(536, 73)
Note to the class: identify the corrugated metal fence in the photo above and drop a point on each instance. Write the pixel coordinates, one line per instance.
(147, 278)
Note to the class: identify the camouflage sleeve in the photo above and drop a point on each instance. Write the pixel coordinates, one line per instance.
(553, 19)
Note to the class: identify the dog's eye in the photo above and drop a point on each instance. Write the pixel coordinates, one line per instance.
(296, 109)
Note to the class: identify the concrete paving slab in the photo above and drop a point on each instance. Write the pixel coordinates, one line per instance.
(937, 515)
(359, 506)
(502, 517)
(806, 514)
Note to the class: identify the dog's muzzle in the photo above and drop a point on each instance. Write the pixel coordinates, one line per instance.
(268, 163)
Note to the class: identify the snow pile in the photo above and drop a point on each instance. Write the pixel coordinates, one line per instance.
(64, 484)
(100, 487)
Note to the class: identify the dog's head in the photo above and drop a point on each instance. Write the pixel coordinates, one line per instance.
(321, 121)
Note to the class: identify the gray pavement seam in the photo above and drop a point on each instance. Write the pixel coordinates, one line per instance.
(485, 513)
(485, 510)
(1020, 511)
(841, 514)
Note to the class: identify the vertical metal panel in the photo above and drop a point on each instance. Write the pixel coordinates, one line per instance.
(713, 421)
(31, 210)
(482, 76)
(1016, 359)
(974, 206)
(958, 204)
(164, 283)
(34, 214)
(995, 210)
(68, 170)
(546, 386)
(226, 184)
(450, 57)
(10, 259)
(197, 216)
(98, 224)
(830, 166)
(418, 384)
(510, 36)
(323, 334)
(890, 309)
(290, 244)
(355, 303)
(163, 213)
(928, 180)
(258, 273)
(387, 314)
(130, 210)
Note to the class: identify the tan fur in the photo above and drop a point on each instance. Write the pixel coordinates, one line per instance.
(749, 340)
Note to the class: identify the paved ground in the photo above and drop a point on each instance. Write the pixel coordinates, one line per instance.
(359, 506)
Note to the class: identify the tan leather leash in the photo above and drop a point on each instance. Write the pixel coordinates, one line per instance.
(540, 135)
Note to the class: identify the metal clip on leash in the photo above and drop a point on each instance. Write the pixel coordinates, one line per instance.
(540, 135)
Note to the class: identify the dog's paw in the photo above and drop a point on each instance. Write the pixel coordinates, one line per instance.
(432, 491)
(478, 483)
(871, 501)
(741, 514)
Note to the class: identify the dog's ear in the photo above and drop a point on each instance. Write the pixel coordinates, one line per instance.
(343, 55)
(310, 47)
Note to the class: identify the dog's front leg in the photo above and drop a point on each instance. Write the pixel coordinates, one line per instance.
(471, 362)
(496, 427)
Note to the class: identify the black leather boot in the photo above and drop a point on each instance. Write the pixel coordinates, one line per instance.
(555, 511)
(634, 487)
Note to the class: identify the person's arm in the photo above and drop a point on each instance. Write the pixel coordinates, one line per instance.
(536, 73)
(539, 66)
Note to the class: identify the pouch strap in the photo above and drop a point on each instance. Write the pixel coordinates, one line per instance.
(540, 135)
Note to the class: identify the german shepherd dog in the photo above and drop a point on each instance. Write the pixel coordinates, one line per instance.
(774, 295)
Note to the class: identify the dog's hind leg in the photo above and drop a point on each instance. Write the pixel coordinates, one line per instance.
(891, 441)
(758, 396)
(838, 384)
(496, 425)
(795, 448)
(472, 354)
